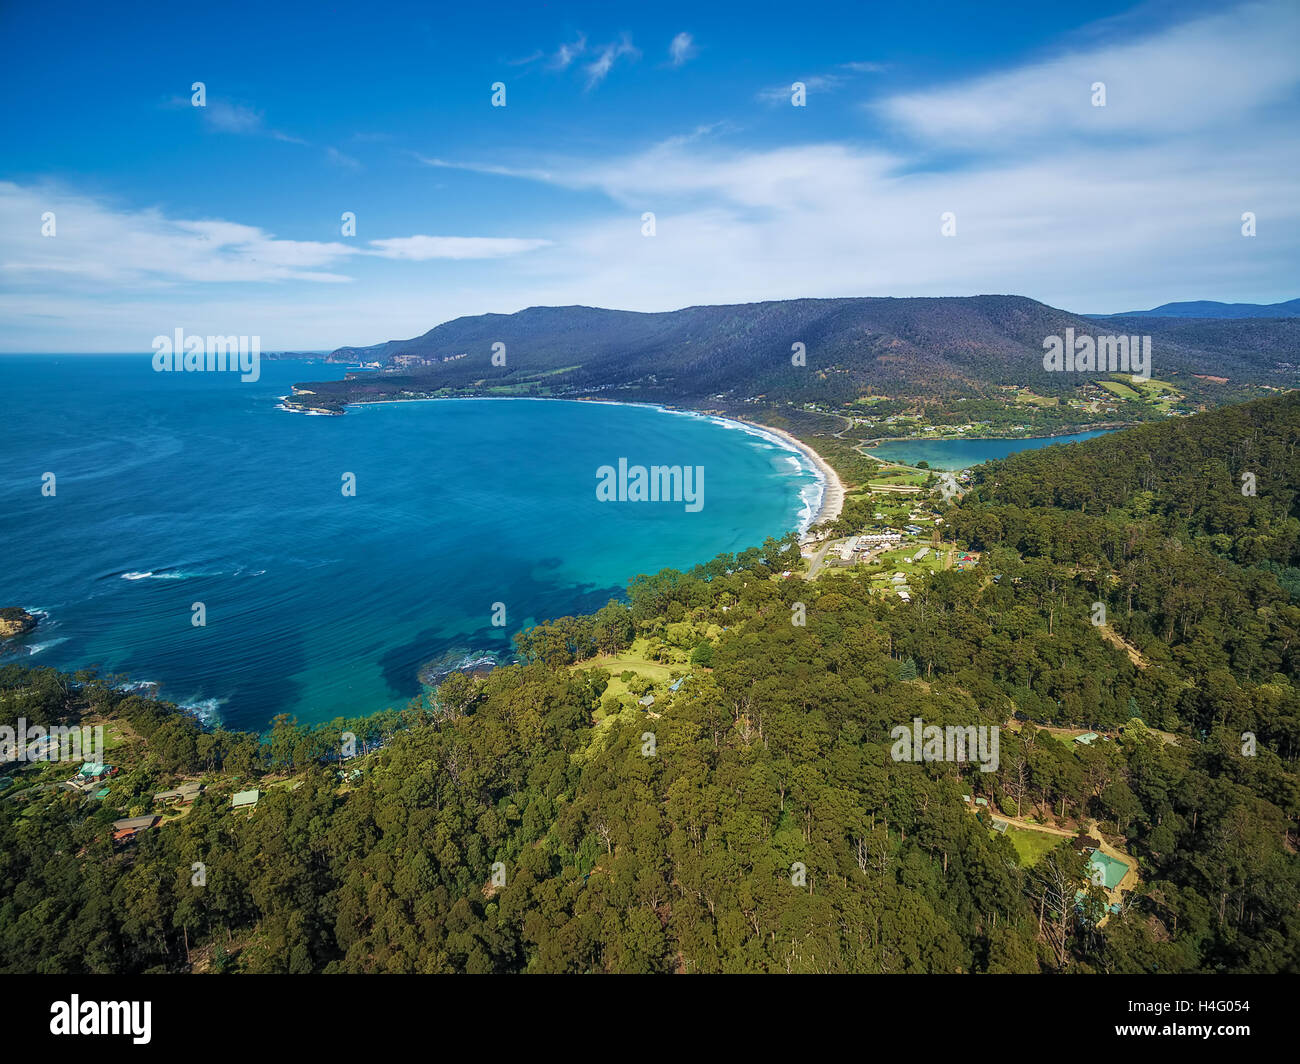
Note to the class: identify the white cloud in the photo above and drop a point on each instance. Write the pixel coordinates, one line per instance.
(1143, 210)
(1108, 222)
(100, 248)
(338, 158)
(598, 70)
(864, 67)
(423, 248)
(1089, 229)
(829, 82)
(485, 168)
(1206, 73)
(224, 116)
(813, 83)
(567, 53)
(681, 49)
(115, 247)
(231, 118)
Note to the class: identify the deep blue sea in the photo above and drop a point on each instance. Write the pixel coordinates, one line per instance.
(180, 488)
(962, 454)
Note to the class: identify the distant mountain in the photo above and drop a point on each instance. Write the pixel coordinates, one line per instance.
(1207, 308)
(743, 353)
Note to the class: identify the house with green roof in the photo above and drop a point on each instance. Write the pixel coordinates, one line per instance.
(245, 799)
(1105, 871)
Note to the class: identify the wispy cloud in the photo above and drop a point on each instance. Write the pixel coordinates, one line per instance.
(830, 81)
(1212, 71)
(104, 246)
(338, 158)
(423, 248)
(227, 116)
(99, 247)
(231, 117)
(681, 49)
(1096, 209)
(530, 173)
(1145, 209)
(599, 69)
(567, 53)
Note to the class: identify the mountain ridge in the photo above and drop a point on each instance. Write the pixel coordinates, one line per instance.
(852, 346)
(1210, 308)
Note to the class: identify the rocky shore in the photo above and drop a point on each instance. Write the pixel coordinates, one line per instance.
(15, 621)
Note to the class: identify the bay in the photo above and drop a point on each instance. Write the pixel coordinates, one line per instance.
(175, 489)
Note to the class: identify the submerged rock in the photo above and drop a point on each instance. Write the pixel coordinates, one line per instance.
(474, 662)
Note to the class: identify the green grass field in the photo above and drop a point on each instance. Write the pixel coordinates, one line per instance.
(892, 562)
(1143, 391)
(1024, 395)
(1121, 390)
(631, 660)
(1032, 846)
(898, 474)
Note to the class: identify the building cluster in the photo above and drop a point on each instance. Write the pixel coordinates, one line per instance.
(857, 548)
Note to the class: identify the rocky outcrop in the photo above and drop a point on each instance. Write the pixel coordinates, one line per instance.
(472, 662)
(15, 622)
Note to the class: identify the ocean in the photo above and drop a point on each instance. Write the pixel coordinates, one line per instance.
(175, 489)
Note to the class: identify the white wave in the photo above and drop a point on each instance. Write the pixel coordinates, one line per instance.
(207, 710)
(170, 574)
(296, 410)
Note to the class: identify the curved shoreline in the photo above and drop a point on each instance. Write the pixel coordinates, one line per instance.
(832, 500)
(831, 496)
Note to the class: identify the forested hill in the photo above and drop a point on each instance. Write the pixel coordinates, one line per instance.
(916, 346)
(1188, 533)
(752, 818)
(1192, 470)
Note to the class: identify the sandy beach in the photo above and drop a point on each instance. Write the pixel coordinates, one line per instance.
(833, 495)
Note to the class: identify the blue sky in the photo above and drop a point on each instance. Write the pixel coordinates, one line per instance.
(226, 218)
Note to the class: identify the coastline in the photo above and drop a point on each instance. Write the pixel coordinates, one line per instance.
(832, 500)
(832, 489)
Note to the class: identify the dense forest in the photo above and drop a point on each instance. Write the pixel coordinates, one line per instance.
(946, 346)
(545, 818)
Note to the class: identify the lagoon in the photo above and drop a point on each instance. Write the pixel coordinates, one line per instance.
(964, 453)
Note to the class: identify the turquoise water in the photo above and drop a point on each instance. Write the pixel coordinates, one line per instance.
(962, 454)
(174, 489)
